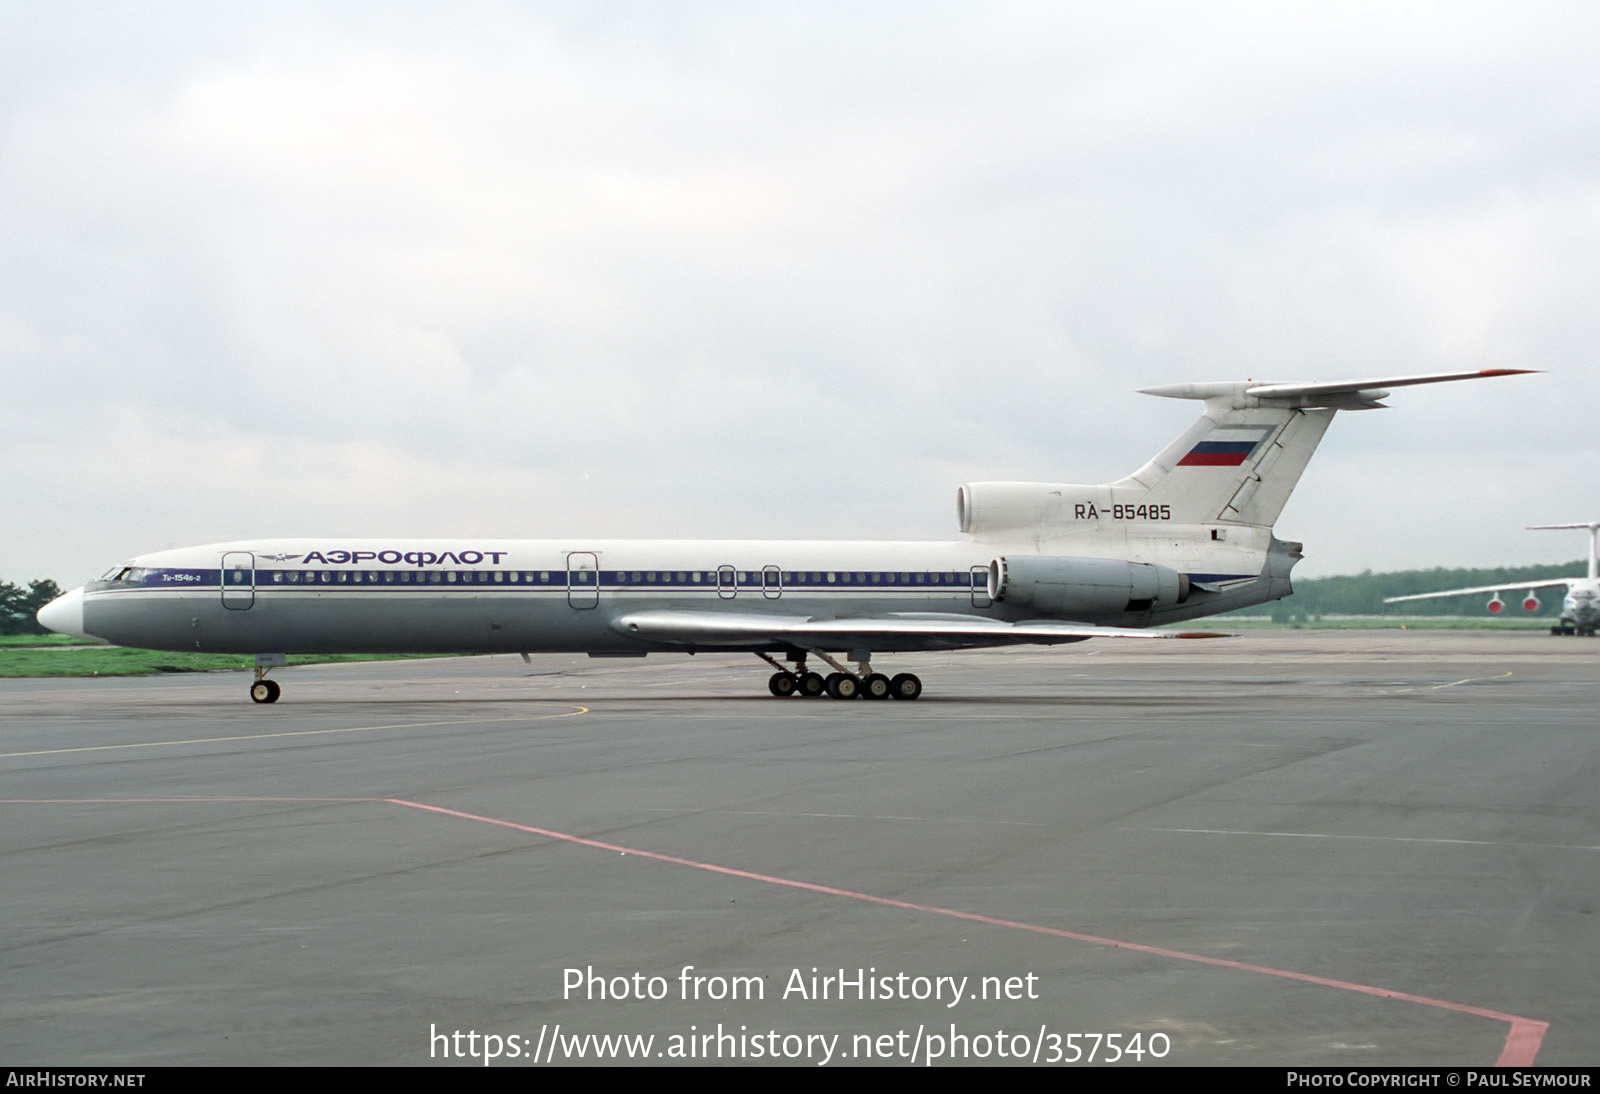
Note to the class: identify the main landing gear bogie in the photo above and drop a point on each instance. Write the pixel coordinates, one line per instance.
(864, 684)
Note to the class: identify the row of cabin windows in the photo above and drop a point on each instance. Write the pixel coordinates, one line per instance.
(417, 577)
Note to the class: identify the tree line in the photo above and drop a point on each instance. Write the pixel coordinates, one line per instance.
(18, 605)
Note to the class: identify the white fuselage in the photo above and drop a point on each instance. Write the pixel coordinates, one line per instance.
(464, 595)
(1581, 604)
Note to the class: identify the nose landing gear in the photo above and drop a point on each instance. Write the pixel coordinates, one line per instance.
(264, 690)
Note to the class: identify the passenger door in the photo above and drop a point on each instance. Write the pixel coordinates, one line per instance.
(238, 580)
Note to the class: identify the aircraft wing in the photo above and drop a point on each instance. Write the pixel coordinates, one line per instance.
(893, 632)
(1508, 587)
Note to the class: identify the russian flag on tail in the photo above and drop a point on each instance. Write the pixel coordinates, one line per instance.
(1228, 446)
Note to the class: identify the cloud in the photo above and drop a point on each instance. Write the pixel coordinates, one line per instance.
(790, 270)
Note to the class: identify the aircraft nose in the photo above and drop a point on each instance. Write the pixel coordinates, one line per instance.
(64, 614)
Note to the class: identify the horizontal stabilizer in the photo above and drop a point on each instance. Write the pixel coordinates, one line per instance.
(1350, 387)
(1330, 394)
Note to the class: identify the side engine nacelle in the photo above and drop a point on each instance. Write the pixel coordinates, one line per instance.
(1530, 603)
(1085, 586)
(1496, 606)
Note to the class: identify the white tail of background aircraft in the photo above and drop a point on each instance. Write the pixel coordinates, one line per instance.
(1187, 535)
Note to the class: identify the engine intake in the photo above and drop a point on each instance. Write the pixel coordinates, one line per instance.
(1085, 586)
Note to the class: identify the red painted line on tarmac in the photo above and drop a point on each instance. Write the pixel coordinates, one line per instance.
(1521, 1045)
(168, 801)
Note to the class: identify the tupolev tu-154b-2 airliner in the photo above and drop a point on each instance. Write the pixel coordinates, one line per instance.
(1189, 534)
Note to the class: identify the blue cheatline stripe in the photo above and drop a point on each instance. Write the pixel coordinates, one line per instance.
(399, 581)
(512, 580)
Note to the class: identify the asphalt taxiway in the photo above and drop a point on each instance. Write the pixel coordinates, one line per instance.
(1313, 848)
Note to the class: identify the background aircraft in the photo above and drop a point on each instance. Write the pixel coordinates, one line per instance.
(1580, 605)
(1187, 535)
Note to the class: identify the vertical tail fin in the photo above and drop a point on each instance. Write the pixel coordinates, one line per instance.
(1240, 462)
(1594, 541)
(1235, 465)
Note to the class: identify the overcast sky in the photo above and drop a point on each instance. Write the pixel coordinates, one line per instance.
(780, 270)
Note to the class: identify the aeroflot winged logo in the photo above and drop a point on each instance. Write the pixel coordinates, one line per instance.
(391, 557)
(1228, 446)
(279, 558)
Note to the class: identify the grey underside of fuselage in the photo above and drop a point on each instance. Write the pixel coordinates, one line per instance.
(282, 622)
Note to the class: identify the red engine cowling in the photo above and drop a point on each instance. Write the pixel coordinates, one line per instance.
(1530, 603)
(1496, 606)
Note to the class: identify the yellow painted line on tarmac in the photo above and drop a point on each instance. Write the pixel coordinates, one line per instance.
(576, 710)
(1469, 680)
(1454, 683)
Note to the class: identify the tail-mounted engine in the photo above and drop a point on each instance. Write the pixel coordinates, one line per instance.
(1085, 586)
(989, 508)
